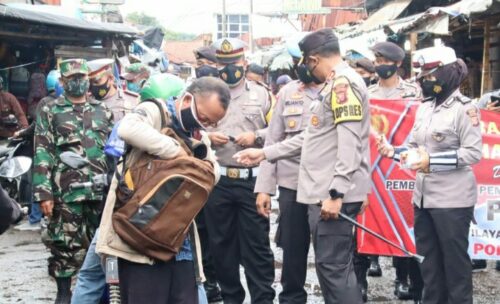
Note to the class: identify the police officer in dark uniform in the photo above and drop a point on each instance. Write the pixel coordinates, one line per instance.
(238, 234)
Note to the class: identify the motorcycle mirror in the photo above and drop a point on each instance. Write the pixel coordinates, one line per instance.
(15, 166)
(73, 160)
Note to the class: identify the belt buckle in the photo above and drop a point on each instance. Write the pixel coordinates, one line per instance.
(233, 173)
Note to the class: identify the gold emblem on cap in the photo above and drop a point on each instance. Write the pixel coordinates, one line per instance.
(226, 46)
(292, 124)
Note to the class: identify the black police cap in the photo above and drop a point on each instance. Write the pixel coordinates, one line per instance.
(256, 69)
(389, 51)
(365, 64)
(317, 39)
(206, 52)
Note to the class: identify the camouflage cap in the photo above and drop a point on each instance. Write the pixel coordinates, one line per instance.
(73, 66)
(134, 70)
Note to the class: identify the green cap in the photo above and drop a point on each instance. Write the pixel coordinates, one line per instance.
(162, 86)
(74, 66)
(134, 70)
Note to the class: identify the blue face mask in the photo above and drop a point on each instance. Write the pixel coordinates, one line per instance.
(133, 87)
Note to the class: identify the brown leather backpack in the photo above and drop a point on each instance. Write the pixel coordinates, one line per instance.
(156, 214)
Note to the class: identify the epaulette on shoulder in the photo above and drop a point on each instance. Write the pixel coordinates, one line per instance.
(130, 93)
(463, 99)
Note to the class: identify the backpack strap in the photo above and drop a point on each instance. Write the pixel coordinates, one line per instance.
(162, 112)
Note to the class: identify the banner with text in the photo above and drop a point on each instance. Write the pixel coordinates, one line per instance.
(390, 212)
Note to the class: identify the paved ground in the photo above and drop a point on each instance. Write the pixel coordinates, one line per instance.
(24, 279)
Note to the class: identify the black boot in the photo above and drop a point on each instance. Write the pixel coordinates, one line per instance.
(213, 291)
(402, 291)
(364, 294)
(63, 291)
(374, 270)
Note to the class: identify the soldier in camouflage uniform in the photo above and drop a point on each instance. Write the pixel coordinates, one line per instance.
(77, 123)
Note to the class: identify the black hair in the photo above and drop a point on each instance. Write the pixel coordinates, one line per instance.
(326, 50)
(209, 85)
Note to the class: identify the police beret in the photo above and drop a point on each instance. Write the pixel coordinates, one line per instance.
(229, 50)
(388, 50)
(283, 79)
(256, 69)
(316, 39)
(206, 52)
(365, 64)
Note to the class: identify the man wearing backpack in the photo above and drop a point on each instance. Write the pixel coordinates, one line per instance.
(144, 279)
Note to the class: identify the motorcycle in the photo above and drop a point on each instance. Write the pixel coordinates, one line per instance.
(15, 171)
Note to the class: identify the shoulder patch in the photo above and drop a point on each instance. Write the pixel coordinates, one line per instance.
(346, 106)
(473, 114)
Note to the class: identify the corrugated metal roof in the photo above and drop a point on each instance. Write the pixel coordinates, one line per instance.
(390, 11)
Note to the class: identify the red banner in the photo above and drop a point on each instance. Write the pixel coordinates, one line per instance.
(390, 212)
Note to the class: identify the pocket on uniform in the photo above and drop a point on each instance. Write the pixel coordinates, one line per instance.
(293, 119)
(334, 242)
(445, 137)
(65, 142)
(253, 113)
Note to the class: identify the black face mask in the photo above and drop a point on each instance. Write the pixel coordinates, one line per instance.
(315, 79)
(432, 88)
(303, 74)
(206, 70)
(385, 71)
(368, 81)
(188, 119)
(100, 91)
(232, 74)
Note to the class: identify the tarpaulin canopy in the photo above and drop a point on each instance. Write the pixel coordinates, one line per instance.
(32, 16)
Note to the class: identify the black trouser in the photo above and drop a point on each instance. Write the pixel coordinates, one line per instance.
(239, 235)
(407, 268)
(333, 242)
(208, 264)
(294, 238)
(361, 265)
(442, 236)
(161, 283)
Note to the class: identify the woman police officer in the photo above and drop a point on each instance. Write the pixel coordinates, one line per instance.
(444, 142)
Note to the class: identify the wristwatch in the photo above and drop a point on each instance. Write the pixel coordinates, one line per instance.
(334, 194)
(259, 141)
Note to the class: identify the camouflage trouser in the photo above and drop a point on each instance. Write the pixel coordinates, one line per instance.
(68, 235)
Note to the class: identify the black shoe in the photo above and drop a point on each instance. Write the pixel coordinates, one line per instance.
(478, 265)
(374, 270)
(402, 291)
(63, 291)
(364, 295)
(213, 292)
